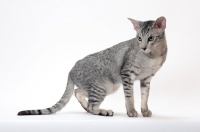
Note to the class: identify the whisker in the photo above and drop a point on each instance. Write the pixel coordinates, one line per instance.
(154, 53)
(156, 49)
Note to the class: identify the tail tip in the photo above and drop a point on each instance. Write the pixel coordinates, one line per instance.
(21, 113)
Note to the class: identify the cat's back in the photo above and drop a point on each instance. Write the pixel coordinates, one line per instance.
(106, 63)
(107, 56)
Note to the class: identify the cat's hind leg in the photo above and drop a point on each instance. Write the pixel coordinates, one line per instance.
(81, 95)
(96, 96)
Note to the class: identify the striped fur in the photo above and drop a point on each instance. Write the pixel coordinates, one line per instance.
(100, 74)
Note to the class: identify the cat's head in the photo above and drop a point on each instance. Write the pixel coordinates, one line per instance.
(150, 33)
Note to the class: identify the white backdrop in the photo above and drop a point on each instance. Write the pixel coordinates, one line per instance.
(40, 41)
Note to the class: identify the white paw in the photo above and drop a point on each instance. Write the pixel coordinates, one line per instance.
(146, 113)
(106, 113)
(132, 113)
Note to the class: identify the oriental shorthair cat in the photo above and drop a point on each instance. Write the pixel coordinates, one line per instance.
(100, 74)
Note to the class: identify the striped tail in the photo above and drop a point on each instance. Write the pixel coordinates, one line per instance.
(58, 106)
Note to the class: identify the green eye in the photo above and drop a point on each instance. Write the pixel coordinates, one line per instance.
(139, 38)
(151, 38)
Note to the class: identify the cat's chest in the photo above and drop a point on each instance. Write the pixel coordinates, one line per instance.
(150, 63)
(148, 66)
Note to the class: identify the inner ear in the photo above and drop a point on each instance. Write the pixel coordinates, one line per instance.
(160, 23)
(135, 23)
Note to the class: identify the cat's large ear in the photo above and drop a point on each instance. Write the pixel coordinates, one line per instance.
(160, 24)
(135, 23)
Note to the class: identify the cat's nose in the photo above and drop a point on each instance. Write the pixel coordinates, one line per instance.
(144, 48)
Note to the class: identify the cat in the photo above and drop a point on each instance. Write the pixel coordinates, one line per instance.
(100, 74)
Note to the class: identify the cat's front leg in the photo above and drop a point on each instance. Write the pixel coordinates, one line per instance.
(145, 86)
(128, 78)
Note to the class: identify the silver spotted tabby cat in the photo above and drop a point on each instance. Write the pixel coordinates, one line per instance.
(100, 74)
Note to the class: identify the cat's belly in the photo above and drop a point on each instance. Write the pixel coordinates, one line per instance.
(111, 88)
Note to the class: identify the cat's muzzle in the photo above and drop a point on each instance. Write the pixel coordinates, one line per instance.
(146, 50)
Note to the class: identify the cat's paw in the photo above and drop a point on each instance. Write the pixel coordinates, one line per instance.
(106, 113)
(132, 113)
(146, 112)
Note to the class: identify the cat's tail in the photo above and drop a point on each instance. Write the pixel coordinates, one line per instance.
(58, 106)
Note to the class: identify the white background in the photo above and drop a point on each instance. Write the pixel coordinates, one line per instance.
(40, 41)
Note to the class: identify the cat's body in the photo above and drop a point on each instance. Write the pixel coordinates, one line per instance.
(102, 73)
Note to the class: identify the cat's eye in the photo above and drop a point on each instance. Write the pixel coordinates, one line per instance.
(139, 38)
(151, 38)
